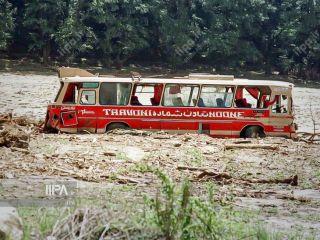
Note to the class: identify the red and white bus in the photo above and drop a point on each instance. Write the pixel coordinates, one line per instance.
(217, 105)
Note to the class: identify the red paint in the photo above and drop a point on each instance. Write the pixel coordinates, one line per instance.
(162, 118)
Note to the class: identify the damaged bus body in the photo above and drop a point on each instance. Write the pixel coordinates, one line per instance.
(217, 105)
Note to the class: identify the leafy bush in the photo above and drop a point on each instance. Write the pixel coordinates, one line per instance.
(176, 214)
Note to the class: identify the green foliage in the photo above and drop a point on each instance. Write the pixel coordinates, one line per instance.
(253, 34)
(119, 27)
(196, 157)
(179, 215)
(6, 23)
(172, 210)
(73, 36)
(43, 219)
(43, 19)
(306, 47)
(178, 30)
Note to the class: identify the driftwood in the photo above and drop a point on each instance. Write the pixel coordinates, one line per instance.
(82, 224)
(70, 173)
(14, 136)
(162, 137)
(125, 180)
(251, 146)
(192, 168)
(293, 181)
(15, 132)
(308, 137)
(7, 118)
(268, 194)
(242, 141)
(20, 150)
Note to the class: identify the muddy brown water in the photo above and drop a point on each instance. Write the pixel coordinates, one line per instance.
(90, 158)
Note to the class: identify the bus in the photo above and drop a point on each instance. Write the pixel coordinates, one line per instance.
(217, 105)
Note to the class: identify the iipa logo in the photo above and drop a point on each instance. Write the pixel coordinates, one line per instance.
(56, 189)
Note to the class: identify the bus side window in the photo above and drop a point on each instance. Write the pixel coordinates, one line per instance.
(146, 95)
(252, 97)
(281, 104)
(88, 97)
(114, 93)
(216, 96)
(178, 95)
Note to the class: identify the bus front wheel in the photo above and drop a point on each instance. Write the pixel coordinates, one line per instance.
(113, 126)
(254, 132)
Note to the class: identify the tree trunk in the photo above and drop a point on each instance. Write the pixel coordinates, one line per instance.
(46, 53)
(118, 63)
(267, 66)
(107, 61)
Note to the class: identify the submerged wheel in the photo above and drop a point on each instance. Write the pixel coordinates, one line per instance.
(113, 126)
(254, 132)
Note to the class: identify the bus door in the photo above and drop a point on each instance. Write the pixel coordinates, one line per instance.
(280, 108)
(86, 111)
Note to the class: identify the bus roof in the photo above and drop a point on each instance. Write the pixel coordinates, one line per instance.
(235, 82)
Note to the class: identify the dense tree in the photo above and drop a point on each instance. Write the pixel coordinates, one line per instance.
(280, 35)
(264, 24)
(221, 18)
(6, 23)
(119, 27)
(73, 37)
(305, 56)
(177, 30)
(42, 19)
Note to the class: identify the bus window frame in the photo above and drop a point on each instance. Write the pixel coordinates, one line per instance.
(130, 95)
(253, 108)
(62, 85)
(64, 89)
(233, 96)
(282, 91)
(289, 105)
(147, 84)
(187, 84)
(98, 85)
(64, 92)
(80, 95)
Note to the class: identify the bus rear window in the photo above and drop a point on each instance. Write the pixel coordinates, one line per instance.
(115, 94)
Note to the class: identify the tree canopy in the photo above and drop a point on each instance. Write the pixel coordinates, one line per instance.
(6, 23)
(273, 35)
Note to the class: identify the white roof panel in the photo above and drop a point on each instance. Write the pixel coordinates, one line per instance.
(235, 82)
